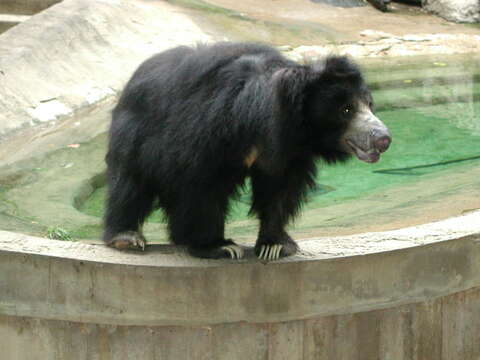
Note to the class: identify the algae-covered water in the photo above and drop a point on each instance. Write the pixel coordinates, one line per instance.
(431, 171)
(427, 139)
(424, 142)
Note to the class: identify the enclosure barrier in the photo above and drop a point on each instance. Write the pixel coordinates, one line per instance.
(64, 300)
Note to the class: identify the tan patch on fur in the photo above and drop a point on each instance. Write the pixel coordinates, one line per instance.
(251, 157)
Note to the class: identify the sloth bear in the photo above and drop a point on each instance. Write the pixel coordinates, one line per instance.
(194, 122)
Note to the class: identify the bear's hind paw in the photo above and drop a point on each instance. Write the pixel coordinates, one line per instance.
(129, 240)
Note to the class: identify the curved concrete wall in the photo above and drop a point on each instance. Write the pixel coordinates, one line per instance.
(376, 300)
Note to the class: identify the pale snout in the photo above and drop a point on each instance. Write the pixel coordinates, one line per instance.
(381, 139)
(367, 137)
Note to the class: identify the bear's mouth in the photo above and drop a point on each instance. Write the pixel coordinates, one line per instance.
(370, 156)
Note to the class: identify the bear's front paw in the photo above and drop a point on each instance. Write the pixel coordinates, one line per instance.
(270, 252)
(283, 247)
(129, 240)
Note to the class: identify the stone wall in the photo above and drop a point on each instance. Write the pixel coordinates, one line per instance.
(67, 300)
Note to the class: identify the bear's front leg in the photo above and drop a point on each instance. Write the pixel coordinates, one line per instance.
(277, 198)
(272, 246)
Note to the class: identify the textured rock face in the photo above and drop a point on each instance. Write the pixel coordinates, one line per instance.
(455, 10)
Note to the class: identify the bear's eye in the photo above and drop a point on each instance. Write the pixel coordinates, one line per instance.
(347, 110)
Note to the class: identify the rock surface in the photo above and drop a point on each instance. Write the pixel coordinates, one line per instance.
(467, 11)
(379, 44)
(78, 52)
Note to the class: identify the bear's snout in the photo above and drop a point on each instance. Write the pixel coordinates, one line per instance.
(367, 137)
(382, 143)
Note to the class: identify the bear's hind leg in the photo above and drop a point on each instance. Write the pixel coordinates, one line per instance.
(197, 220)
(128, 204)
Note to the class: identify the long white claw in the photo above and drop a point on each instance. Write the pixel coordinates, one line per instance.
(276, 252)
(262, 250)
(270, 252)
(271, 255)
(279, 249)
(235, 251)
(139, 242)
(240, 252)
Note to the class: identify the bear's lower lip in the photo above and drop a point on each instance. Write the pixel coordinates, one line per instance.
(372, 156)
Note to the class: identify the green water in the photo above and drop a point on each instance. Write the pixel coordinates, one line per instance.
(426, 139)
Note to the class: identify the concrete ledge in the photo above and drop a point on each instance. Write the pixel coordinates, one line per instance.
(93, 284)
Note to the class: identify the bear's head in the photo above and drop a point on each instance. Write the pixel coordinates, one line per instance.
(334, 108)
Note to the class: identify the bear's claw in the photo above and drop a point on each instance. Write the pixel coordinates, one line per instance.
(270, 252)
(235, 251)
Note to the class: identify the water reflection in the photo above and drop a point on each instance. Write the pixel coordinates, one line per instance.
(462, 108)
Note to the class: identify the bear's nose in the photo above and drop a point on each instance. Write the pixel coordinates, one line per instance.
(382, 143)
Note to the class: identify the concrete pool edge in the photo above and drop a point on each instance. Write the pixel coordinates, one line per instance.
(93, 284)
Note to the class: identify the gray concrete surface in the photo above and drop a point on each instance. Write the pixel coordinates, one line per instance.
(79, 52)
(94, 284)
(411, 294)
(432, 330)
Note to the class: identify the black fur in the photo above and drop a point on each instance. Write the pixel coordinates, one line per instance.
(189, 117)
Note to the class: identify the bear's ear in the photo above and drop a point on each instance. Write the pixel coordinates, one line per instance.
(290, 86)
(337, 68)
